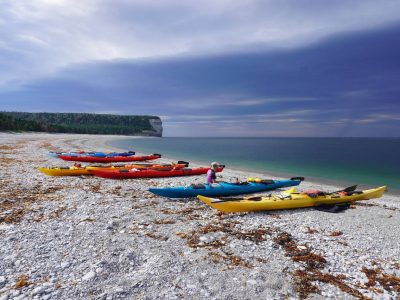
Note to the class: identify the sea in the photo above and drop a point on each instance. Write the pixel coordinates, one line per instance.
(370, 162)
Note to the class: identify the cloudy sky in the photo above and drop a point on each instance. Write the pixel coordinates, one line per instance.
(209, 68)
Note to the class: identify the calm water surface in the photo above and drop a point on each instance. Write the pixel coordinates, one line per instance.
(368, 161)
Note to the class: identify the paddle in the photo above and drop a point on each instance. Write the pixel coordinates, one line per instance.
(347, 190)
(255, 198)
(315, 194)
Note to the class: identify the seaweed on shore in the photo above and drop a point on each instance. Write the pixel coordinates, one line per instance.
(232, 260)
(188, 213)
(181, 234)
(389, 282)
(22, 281)
(18, 201)
(254, 235)
(311, 230)
(384, 206)
(164, 221)
(144, 205)
(7, 147)
(141, 229)
(156, 236)
(7, 161)
(49, 147)
(186, 210)
(344, 243)
(304, 283)
(274, 215)
(116, 190)
(95, 188)
(14, 217)
(305, 277)
(335, 233)
(193, 240)
(364, 204)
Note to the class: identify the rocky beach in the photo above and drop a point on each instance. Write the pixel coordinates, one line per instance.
(90, 238)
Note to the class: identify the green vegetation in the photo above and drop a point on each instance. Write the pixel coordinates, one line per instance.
(81, 123)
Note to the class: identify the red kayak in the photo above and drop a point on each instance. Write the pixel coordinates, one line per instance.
(148, 173)
(108, 159)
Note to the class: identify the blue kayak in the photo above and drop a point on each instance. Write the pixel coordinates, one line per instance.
(94, 154)
(224, 188)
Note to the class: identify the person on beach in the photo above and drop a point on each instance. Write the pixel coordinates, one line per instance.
(211, 174)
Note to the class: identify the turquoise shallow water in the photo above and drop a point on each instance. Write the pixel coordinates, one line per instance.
(367, 161)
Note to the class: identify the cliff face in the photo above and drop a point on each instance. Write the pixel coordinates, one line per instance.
(157, 126)
(81, 123)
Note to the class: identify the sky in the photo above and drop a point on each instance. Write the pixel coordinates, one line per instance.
(258, 68)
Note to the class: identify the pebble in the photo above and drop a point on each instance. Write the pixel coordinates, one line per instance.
(38, 290)
(47, 284)
(203, 239)
(252, 281)
(88, 276)
(71, 256)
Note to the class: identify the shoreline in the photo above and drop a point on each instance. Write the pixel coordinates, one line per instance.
(332, 183)
(87, 237)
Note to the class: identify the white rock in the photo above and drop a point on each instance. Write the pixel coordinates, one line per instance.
(46, 297)
(64, 265)
(47, 284)
(20, 297)
(203, 239)
(89, 275)
(5, 227)
(386, 297)
(2, 279)
(38, 290)
(4, 297)
(252, 281)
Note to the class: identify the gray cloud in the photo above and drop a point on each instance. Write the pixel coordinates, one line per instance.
(40, 36)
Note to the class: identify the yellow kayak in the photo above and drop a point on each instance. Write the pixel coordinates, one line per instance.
(65, 171)
(84, 170)
(289, 199)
